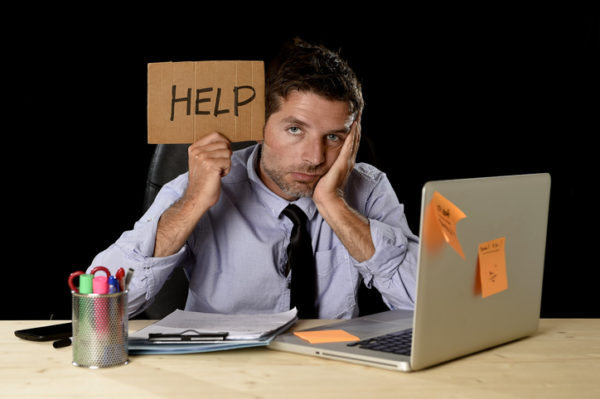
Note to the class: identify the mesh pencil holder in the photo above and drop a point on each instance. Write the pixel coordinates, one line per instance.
(100, 329)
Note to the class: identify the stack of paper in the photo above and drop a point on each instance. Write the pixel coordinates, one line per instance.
(241, 331)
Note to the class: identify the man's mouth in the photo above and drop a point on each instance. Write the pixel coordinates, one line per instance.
(305, 177)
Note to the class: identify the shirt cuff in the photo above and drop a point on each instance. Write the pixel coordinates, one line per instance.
(158, 270)
(390, 250)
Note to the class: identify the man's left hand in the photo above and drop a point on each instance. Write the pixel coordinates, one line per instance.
(331, 185)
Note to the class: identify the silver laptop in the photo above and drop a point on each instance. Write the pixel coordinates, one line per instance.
(451, 317)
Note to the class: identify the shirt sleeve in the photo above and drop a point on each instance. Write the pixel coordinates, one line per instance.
(134, 249)
(393, 267)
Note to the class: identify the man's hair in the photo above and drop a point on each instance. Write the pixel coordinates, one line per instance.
(303, 66)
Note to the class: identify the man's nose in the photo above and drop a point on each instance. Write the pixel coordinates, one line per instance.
(313, 151)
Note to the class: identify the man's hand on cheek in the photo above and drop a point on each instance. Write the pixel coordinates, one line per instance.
(330, 186)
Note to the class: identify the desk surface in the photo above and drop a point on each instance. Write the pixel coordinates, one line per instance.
(561, 360)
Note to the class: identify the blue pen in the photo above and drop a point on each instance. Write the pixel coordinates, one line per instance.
(113, 285)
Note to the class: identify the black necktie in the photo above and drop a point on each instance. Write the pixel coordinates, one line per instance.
(301, 262)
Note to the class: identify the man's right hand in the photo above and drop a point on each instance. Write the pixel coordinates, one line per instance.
(209, 159)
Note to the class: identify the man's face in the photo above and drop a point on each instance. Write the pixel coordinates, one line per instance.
(301, 142)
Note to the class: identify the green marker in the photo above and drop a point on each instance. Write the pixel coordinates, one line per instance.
(85, 283)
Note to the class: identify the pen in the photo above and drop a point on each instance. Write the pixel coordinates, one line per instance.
(85, 282)
(128, 278)
(61, 343)
(113, 285)
(100, 313)
(188, 335)
(100, 285)
(120, 274)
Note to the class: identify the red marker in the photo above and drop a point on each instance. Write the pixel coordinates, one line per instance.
(120, 274)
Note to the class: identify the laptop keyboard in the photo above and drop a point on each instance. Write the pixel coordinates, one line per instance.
(398, 342)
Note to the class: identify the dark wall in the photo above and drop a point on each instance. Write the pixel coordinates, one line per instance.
(450, 93)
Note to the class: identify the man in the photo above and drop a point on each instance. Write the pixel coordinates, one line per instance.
(227, 223)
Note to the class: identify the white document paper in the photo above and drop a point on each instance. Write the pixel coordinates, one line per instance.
(238, 327)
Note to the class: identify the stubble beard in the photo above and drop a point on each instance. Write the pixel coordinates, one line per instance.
(296, 189)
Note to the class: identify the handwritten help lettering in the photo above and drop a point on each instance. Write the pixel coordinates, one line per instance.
(187, 100)
(190, 99)
(491, 262)
(441, 217)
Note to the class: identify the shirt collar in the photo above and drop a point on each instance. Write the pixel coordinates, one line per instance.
(267, 197)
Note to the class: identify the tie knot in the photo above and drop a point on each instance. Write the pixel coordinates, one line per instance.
(295, 214)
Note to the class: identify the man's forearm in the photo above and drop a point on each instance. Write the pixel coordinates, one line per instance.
(175, 226)
(209, 159)
(351, 228)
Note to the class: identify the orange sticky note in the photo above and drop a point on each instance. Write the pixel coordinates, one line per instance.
(325, 336)
(492, 267)
(439, 226)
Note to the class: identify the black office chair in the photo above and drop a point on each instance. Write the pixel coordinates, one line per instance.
(171, 160)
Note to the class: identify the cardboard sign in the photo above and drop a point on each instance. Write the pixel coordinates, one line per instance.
(188, 100)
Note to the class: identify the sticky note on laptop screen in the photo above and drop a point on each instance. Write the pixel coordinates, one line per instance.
(492, 267)
(441, 218)
(326, 336)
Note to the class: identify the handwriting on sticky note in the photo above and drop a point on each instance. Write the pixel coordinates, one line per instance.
(325, 336)
(439, 226)
(492, 267)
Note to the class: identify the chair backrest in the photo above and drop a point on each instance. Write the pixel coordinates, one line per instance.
(171, 160)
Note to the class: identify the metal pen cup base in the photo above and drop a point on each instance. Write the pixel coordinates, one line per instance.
(100, 330)
(100, 367)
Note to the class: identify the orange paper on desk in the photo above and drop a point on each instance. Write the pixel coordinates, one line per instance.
(441, 217)
(492, 267)
(325, 336)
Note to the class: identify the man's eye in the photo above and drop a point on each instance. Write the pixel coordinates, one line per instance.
(294, 130)
(333, 137)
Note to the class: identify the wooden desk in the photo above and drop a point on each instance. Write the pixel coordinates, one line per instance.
(561, 360)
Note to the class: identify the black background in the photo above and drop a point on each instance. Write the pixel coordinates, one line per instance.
(449, 93)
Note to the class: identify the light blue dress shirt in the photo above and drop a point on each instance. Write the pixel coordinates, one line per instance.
(236, 256)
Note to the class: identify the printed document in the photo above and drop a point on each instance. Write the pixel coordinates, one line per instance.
(238, 327)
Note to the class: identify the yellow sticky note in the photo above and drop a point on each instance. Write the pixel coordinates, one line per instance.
(325, 336)
(439, 226)
(491, 262)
